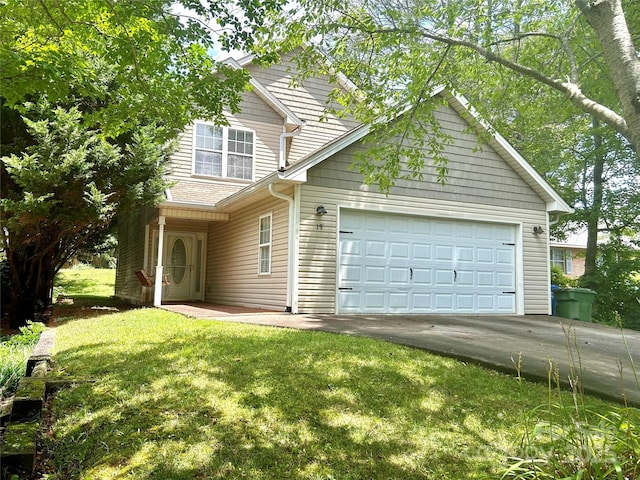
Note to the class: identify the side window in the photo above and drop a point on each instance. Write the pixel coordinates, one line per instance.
(222, 151)
(561, 258)
(208, 150)
(264, 242)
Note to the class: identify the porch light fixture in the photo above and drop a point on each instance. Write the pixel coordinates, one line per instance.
(538, 230)
(320, 210)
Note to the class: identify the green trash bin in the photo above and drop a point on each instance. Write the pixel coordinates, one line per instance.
(574, 303)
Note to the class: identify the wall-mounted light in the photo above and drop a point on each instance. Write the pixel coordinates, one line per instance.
(320, 210)
(538, 230)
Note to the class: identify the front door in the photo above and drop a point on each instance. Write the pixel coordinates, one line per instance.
(179, 266)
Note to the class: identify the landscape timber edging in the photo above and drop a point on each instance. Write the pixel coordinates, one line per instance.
(18, 448)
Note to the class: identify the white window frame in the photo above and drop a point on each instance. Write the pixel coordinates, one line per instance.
(564, 262)
(265, 246)
(224, 152)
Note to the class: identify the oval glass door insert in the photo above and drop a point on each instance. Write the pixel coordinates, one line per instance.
(178, 261)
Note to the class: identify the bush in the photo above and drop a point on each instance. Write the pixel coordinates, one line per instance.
(559, 278)
(14, 353)
(617, 285)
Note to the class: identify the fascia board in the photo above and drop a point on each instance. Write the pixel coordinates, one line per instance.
(555, 203)
(325, 152)
(248, 191)
(271, 100)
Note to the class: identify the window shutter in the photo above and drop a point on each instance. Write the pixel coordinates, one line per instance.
(568, 262)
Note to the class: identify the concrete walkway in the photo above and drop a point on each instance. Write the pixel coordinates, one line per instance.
(602, 358)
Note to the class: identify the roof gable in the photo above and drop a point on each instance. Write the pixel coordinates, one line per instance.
(269, 98)
(554, 203)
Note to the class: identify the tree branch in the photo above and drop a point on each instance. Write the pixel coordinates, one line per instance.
(571, 90)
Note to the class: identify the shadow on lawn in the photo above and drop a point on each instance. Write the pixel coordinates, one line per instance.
(235, 401)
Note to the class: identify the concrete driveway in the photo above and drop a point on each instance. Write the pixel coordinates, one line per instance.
(605, 360)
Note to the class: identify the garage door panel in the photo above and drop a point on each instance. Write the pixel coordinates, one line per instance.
(375, 275)
(443, 229)
(399, 250)
(422, 251)
(505, 257)
(375, 249)
(464, 301)
(506, 303)
(350, 247)
(444, 301)
(505, 280)
(350, 301)
(351, 273)
(465, 278)
(444, 253)
(422, 277)
(399, 225)
(405, 264)
(374, 301)
(505, 234)
(399, 300)
(399, 276)
(485, 255)
(444, 278)
(465, 255)
(422, 302)
(485, 279)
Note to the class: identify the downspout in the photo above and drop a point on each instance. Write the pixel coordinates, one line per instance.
(282, 160)
(292, 302)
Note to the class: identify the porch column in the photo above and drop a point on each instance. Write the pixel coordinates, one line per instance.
(157, 293)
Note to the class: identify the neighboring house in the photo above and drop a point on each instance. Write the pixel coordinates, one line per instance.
(266, 213)
(569, 254)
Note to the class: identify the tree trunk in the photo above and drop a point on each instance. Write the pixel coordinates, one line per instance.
(593, 218)
(607, 19)
(31, 287)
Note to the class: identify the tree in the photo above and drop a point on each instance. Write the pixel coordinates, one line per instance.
(398, 50)
(62, 192)
(90, 92)
(549, 74)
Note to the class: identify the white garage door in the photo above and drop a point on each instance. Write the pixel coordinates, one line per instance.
(408, 264)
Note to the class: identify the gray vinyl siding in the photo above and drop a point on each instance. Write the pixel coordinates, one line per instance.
(476, 175)
(318, 246)
(131, 235)
(308, 102)
(232, 259)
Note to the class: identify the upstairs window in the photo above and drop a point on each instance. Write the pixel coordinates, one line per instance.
(223, 152)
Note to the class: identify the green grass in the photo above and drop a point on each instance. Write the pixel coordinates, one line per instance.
(88, 282)
(14, 354)
(176, 398)
(87, 291)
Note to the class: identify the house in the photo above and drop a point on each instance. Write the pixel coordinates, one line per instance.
(569, 254)
(266, 213)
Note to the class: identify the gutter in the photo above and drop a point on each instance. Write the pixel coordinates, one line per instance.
(292, 251)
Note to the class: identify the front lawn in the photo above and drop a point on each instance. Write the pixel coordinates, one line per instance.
(176, 398)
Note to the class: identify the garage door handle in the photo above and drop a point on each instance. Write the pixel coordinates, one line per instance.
(345, 288)
(411, 274)
(455, 275)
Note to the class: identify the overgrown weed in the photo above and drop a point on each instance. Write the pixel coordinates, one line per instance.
(569, 441)
(14, 353)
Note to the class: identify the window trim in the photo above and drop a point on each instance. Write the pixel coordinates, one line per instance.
(268, 244)
(225, 151)
(565, 262)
